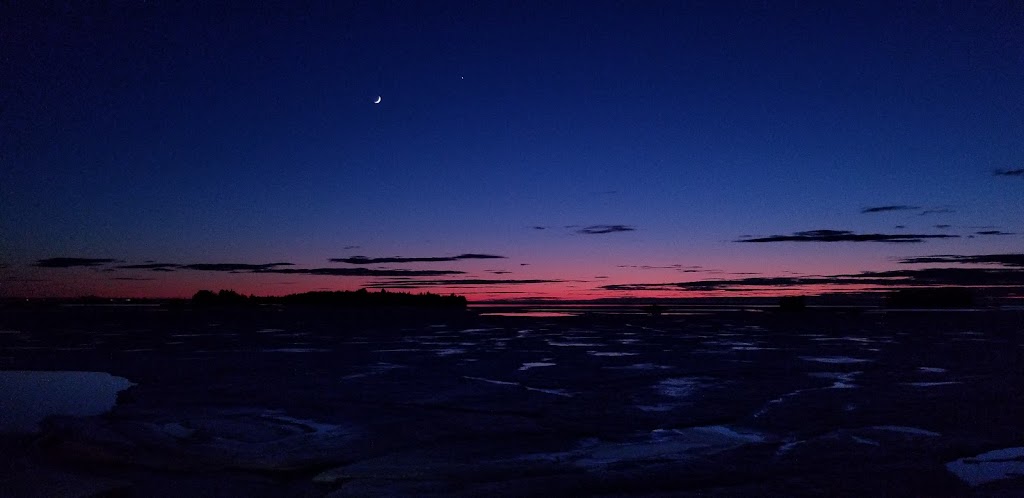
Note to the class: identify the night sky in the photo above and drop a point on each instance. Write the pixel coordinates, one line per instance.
(519, 149)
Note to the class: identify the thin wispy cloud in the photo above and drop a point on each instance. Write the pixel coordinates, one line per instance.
(148, 266)
(846, 236)
(71, 262)
(603, 229)
(360, 272)
(677, 267)
(1009, 260)
(980, 277)
(1009, 172)
(884, 209)
(460, 282)
(936, 211)
(993, 232)
(363, 260)
(235, 267)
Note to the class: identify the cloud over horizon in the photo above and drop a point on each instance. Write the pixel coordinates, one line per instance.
(363, 260)
(71, 262)
(1009, 260)
(992, 278)
(846, 236)
(412, 284)
(936, 211)
(149, 266)
(603, 229)
(883, 209)
(360, 272)
(1009, 172)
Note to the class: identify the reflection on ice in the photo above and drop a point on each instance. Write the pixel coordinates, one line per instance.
(574, 344)
(29, 397)
(990, 466)
(839, 360)
(906, 430)
(556, 392)
(641, 366)
(679, 387)
(660, 444)
(655, 408)
(296, 350)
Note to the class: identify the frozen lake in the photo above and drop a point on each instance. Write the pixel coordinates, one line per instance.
(735, 402)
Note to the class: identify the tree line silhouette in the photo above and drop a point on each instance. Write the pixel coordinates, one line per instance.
(342, 299)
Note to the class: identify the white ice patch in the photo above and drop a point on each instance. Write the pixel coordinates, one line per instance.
(31, 396)
(449, 351)
(906, 430)
(843, 380)
(295, 350)
(838, 360)
(610, 353)
(574, 344)
(491, 381)
(377, 369)
(556, 392)
(932, 369)
(660, 444)
(930, 384)
(990, 466)
(861, 340)
(679, 387)
(535, 364)
(869, 442)
(840, 376)
(641, 366)
(655, 408)
(314, 426)
(786, 448)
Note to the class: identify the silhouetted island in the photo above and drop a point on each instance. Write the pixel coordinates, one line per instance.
(337, 299)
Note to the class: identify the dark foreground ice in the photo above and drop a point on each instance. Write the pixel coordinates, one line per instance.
(314, 403)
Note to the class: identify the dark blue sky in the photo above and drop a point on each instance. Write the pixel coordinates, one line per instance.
(233, 134)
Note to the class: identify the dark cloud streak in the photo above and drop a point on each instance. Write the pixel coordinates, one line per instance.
(71, 262)
(847, 236)
(1009, 172)
(363, 260)
(1008, 260)
(883, 209)
(603, 229)
(360, 272)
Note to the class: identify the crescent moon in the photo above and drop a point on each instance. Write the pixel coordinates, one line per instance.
(377, 101)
